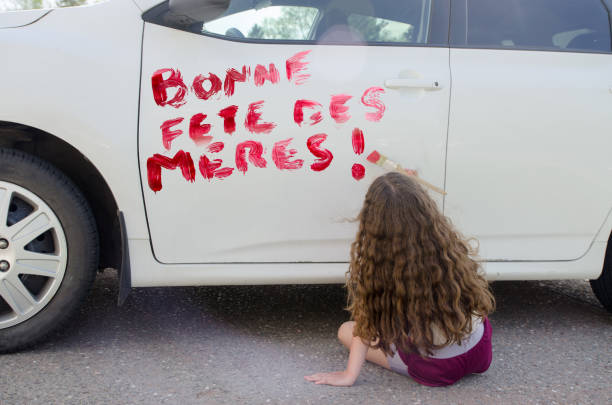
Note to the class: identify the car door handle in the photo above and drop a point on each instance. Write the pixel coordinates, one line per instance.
(426, 84)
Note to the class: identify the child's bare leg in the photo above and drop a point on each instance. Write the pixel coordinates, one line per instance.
(376, 356)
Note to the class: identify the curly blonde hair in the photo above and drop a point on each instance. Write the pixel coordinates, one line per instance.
(411, 270)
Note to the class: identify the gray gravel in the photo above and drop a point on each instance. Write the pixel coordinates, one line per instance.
(253, 345)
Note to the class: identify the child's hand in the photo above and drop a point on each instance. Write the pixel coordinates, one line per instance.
(337, 378)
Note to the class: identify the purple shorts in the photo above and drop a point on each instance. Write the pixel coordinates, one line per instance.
(441, 369)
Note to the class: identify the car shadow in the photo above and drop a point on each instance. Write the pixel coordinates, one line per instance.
(184, 314)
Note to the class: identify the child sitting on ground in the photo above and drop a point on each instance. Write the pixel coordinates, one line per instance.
(418, 302)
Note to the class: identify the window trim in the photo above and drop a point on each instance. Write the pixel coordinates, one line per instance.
(458, 33)
(438, 35)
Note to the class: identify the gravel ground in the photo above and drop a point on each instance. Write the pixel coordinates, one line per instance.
(253, 345)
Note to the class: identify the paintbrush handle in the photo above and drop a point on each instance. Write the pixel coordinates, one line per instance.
(421, 181)
(388, 164)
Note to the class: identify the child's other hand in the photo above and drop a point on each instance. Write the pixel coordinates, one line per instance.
(337, 378)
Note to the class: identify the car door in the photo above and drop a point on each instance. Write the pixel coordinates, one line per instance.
(255, 125)
(530, 126)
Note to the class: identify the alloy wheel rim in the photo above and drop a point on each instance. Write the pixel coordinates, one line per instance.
(36, 253)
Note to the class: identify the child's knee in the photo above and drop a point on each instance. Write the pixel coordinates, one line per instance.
(345, 332)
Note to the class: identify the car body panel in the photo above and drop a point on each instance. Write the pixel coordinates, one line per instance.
(145, 5)
(272, 215)
(76, 77)
(14, 19)
(529, 164)
(147, 272)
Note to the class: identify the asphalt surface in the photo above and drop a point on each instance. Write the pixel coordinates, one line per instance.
(552, 344)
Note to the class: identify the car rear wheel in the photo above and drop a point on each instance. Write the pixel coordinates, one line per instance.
(602, 287)
(48, 249)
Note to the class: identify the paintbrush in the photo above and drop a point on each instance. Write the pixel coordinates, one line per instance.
(388, 164)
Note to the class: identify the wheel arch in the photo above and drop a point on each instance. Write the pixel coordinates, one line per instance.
(82, 172)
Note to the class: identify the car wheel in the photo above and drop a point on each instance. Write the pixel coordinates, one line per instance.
(48, 249)
(602, 287)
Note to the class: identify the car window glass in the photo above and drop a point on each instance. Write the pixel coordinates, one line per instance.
(276, 22)
(539, 24)
(374, 29)
(12, 5)
(321, 21)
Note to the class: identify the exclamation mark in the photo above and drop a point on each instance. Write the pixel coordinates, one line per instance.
(358, 170)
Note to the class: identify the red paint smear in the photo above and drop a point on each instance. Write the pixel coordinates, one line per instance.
(198, 131)
(255, 155)
(229, 114)
(281, 156)
(216, 147)
(358, 171)
(316, 118)
(160, 85)
(324, 155)
(251, 122)
(211, 169)
(198, 86)
(298, 112)
(232, 76)
(338, 110)
(157, 161)
(169, 135)
(374, 157)
(358, 141)
(261, 74)
(295, 65)
(224, 172)
(370, 99)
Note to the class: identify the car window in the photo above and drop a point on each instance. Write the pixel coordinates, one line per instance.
(374, 29)
(12, 5)
(539, 24)
(275, 22)
(318, 21)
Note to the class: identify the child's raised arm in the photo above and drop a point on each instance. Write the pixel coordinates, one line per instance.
(347, 377)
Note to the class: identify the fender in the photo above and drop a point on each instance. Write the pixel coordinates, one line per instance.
(88, 97)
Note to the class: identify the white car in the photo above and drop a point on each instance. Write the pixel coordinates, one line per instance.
(208, 142)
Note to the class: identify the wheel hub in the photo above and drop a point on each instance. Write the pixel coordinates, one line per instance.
(33, 254)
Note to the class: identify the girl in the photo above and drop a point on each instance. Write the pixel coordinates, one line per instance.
(418, 301)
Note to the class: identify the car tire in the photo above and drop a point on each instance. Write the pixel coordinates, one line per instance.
(602, 287)
(48, 248)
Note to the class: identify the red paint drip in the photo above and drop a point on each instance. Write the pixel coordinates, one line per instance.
(261, 74)
(294, 65)
(370, 99)
(157, 161)
(324, 156)
(229, 114)
(169, 135)
(212, 169)
(232, 76)
(198, 86)
(251, 122)
(358, 141)
(198, 131)
(216, 147)
(281, 156)
(160, 85)
(255, 155)
(338, 110)
(358, 171)
(298, 112)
